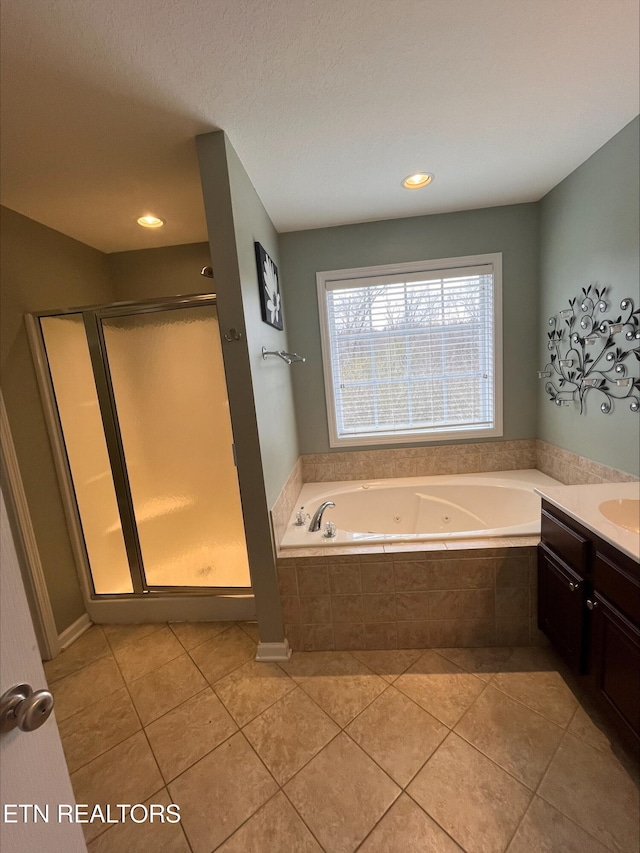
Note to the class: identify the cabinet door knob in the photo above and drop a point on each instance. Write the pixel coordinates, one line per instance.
(591, 604)
(573, 586)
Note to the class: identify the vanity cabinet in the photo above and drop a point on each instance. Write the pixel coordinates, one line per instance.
(589, 607)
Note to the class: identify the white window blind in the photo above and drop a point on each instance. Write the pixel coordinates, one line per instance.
(411, 354)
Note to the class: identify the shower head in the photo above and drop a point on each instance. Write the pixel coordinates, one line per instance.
(207, 272)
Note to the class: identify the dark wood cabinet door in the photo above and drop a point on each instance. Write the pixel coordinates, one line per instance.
(615, 662)
(561, 612)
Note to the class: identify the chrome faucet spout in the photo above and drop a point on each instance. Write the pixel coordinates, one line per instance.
(316, 521)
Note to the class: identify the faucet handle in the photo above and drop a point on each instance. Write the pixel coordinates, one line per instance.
(330, 530)
(301, 517)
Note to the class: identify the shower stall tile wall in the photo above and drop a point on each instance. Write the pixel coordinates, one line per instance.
(410, 599)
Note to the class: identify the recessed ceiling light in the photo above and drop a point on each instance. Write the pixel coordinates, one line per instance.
(150, 221)
(417, 181)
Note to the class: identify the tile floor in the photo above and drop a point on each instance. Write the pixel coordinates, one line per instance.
(481, 750)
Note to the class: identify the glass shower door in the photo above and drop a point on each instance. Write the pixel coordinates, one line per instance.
(76, 398)
(170, 396)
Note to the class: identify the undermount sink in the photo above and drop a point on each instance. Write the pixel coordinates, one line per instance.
(625, 513)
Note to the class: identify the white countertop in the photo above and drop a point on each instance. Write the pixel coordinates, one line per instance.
(582, 503)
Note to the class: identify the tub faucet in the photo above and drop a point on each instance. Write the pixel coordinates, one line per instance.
(316, 521)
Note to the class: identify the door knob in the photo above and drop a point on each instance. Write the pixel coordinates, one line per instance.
(22, 707)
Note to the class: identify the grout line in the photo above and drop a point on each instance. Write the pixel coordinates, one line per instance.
(246, 820)
(431, 817)
(110, 747)
(262, 711)
(293, 806)
(197, 646)
(160, 625)
(541, 780)
(179, 705)
(82, 666)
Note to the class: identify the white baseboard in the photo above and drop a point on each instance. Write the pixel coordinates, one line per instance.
(273, 651)
(75, 630)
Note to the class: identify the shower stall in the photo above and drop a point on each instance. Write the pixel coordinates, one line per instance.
(137, 408)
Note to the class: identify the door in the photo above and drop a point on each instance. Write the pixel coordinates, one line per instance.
(561, 606)
(32, 765)
(142, 422)
(166, 377)
(615, 662)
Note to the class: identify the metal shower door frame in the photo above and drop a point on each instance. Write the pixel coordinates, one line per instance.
(92, 318)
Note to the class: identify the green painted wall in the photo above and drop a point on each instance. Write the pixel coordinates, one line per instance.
(589, 233)
(41, 269)
(512, 230)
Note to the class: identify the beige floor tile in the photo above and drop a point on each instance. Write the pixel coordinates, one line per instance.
(97, 728)
(303, 664)
(252, 688)
(533, 659)
(220, 792)
(389, 663)
(185, 734)
(546, 830)
(288, 734)
(483, 662)
(275, 827)
(127, 773)
(407, 829)
(119, 635)
(512, 735)
(162, 689)
(130, 837)
(545, 692)
(138, 657)
(594, 790)
(443, 689)
(251, 628)
(471, 798)
(87, 648)
(588, 725)
(397, 734)
(341, 794)
(220, 655)
(93, 683)
(344, 687)
(192, 634)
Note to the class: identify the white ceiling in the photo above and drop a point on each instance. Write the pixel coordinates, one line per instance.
(329, 104)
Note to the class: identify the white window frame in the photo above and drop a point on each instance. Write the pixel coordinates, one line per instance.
(326, 278)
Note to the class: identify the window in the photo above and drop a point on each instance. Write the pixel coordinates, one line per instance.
(412, 352)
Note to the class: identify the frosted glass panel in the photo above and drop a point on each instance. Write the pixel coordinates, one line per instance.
(72, 377)
(171, 398)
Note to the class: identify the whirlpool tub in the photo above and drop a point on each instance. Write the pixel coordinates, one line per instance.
(420, 509)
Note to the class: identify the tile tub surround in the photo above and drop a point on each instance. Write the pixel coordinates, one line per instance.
(283, 507)
(403, 599)
(573, 470)
(464, 750)
(419, 461)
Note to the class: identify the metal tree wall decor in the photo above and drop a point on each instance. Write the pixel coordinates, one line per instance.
(593, 354)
